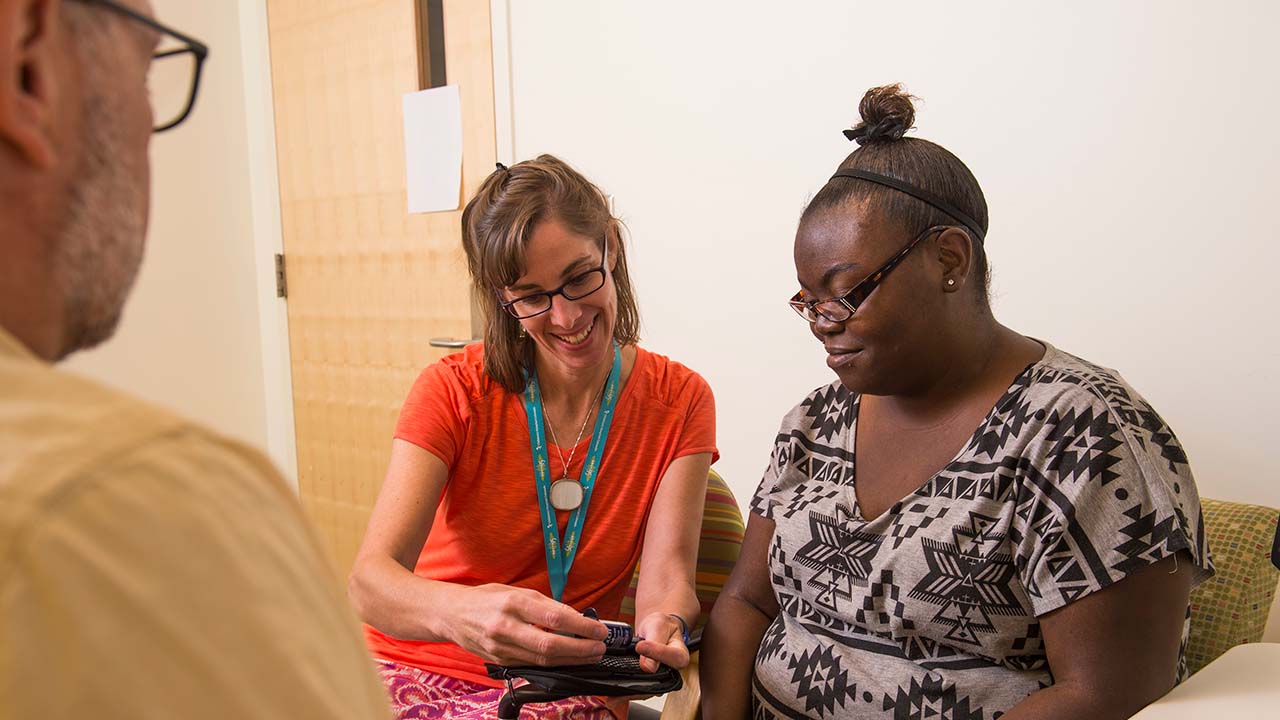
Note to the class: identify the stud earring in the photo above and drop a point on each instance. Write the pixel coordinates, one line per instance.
(951, 282)
(523, 333)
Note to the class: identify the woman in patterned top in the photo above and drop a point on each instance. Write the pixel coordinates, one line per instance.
(969, 523)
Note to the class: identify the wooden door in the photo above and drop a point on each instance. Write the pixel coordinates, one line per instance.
(368, 284)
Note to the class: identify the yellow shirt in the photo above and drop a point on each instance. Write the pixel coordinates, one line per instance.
(151, 569)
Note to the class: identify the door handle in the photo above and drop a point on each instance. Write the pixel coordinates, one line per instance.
(452, 342)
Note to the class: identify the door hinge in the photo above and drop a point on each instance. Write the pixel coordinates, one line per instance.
(282, 285)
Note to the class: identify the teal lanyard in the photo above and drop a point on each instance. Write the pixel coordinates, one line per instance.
(558, 561)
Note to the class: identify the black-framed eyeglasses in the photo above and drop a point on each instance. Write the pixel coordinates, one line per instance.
(577, 287)
(174, 77)
(840, 309)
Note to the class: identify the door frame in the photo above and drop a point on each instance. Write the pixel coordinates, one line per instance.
(503, 99)
(264, 189)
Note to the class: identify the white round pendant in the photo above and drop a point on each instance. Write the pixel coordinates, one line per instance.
(566, 494)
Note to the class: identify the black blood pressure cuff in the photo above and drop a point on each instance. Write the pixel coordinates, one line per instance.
(614, 675)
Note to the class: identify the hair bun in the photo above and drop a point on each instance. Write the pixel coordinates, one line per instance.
(887, 114)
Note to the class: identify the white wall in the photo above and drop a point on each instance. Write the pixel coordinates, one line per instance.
(1127, 151)
(190, 336)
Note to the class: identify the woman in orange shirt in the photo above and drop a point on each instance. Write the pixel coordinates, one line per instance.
(530, 474)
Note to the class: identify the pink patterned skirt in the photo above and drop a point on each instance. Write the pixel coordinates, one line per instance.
(417, 694)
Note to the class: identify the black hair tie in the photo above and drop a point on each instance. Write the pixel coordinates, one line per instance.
(918, 193)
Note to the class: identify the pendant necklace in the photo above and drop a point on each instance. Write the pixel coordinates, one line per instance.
(566, 493)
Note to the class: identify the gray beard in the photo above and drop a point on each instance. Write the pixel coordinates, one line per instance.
(100, 247)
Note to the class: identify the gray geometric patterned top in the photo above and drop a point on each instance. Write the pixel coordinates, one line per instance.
(1071, 482)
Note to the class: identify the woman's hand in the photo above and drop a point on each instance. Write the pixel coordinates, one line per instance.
(663, 642)
(516, 626)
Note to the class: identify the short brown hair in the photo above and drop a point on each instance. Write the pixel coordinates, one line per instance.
(496, 226)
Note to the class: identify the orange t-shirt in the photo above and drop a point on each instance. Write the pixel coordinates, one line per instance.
(486, 528)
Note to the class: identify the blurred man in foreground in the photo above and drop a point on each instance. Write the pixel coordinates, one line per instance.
(148, 567)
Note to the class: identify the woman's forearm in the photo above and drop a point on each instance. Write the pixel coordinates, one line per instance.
(400, 603)
(679, 599)
(1066, 702)
(729, 645)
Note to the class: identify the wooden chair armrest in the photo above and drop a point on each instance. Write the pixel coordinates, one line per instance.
(684, 703)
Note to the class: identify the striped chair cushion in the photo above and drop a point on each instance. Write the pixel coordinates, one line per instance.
(1231, 607)
(722, 530)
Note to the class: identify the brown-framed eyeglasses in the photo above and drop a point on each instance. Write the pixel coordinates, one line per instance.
(840, 309)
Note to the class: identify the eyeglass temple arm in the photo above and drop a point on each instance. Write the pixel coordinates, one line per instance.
(198, 47)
